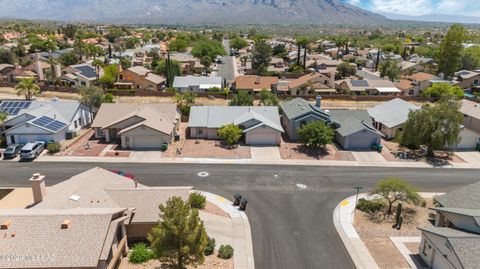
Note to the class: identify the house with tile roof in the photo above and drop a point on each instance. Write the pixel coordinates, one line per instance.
(260, 124)
(137, 126)
(139, 77)
(47, 121)
(454, 241)
(309, 84)
(254, 84)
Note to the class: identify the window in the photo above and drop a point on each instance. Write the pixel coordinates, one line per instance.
(121, 77)
(411, 92)
(425, 248)
(127, 141)
(199, 131)
(75, 124)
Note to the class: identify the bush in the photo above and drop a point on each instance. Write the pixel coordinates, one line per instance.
(197, 200)
(424, 203)
(210, 248)
(370, 206)
(141, 253)
(54, 147)
(225, 252)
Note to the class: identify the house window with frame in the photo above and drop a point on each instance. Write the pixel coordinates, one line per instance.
(75, 124)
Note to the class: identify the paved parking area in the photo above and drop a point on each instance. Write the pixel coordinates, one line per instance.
(469, 156)
(368, 157)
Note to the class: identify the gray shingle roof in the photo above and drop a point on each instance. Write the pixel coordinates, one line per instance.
(218, 116)
(352, 121)
(298, 107)
(38, 232)
(467, 197)
(392, 113)
(202, 82)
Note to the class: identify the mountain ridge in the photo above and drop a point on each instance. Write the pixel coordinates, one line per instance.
(433, 18)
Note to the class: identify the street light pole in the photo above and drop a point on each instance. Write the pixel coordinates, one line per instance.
(358, 188)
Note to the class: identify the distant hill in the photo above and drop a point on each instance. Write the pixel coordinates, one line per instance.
(434, 18)
(191, 11)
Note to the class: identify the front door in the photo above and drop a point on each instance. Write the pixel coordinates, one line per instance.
(12, 139)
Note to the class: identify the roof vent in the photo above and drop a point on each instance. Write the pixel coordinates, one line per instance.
(6, 224)
(66, 224)
(75, 198)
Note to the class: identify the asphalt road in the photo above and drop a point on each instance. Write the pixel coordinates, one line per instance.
(292, 227)
(226, 69)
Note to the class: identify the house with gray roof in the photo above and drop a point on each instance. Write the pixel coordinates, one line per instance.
(390, 116)
(80, 75)
(260, 124)
(368, 86)
(53, 120)
(454, 241)
(137, 126)
(196, 84)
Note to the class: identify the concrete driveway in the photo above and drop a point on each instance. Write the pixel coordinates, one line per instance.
(262, 154)
(469, 156)
(368, 157)
(144, 155)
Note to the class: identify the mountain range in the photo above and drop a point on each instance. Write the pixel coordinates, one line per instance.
(189, 12)
(433, 18)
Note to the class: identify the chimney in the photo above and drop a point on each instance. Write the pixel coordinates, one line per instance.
(58, 70)
(66, 224)
(257, 80)
(318, 102)
(38, 187)
(38, 68)
(332, 80)
(6, 224)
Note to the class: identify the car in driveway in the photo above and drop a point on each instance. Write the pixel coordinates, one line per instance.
(32, 150)
(123, 174)
(12, 151)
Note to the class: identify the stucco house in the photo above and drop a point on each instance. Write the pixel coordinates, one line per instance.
(466, 79)
(139, 77)
(454, 241)
(53, 120)
(80, 75)
(368, 86)
(312, 83)
(137, 126)
(255, 84)
(260, 124)
(196, 84)
(390, 116)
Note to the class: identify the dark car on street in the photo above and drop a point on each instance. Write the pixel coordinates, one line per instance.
(123, 174)
(12, 151)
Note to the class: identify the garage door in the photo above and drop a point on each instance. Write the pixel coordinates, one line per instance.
(147, 142)
(261, 138)
(468, 140)
(362, 141)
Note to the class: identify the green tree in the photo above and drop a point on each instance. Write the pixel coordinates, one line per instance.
(69, 58)
(261, 55)
(180, 238)
(441, 90)
(394, 189)
(450, 51)
(185, 101)
(390, 69)
(6, 57)
(241, 99)
(97, 64)
(161, 68)
(470, 58)
(208, 50)
(110, 74)
(3, 117)
(267, 98)
(180, 44)
(27, 88)
(93, 97)
(346, 70)
(302, 42)
(230, 133)
(238, 43)
(280, 51)
(436, 126)
(316, 135)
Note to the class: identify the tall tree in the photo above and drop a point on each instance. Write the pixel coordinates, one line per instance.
(394, 189)
(93, 97)
(450, 51)
(180, 238)
(241, 99)
(390, 69)
(302, 42)
(261, 55)
(267, 98)
(97, 64)
(436, 126)
(315, 135)
(27, 88)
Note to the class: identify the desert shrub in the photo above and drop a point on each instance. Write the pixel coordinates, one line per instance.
(141, 253)
(197, 200)
(225, 252)
(210, 248)
(370, 206)
(54, 147)
(424, 203)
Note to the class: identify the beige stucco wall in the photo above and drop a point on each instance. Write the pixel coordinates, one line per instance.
(139, 82)
(139, 231)
(144, 132)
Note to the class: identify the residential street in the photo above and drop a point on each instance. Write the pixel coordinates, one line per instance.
(226, 70)
(290, 208)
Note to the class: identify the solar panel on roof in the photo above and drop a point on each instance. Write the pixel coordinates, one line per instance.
(3, 104)
(359, 83)
(13, 107)
(49, 123)
(87, 71)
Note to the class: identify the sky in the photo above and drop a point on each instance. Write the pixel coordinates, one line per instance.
(421, 7)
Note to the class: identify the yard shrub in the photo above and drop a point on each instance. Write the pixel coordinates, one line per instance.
(225, 252)
(54, 147)
(141, 253)
(370, 206)
(210, 246)
(197, 200)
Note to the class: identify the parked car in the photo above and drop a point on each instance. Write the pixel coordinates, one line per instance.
(32, 150)
(123, 174)
(12, 151)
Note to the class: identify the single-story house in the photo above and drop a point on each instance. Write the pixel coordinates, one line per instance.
(255, 84)
(355, 129)
(390, 116)
(309, 84)
(137, 126)
(260, 124)
(93, 215)
(408, 66)
(196, 84)
(298, 112)
(466, 79)
(80, 75)
(369, 86)
(53, 120)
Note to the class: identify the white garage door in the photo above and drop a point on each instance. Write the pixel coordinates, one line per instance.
(468, 140)
(261, 138)
(147, 142)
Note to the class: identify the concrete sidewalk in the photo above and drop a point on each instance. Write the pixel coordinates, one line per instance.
(234, 231)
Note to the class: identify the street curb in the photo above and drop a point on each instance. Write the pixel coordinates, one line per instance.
(245, 261)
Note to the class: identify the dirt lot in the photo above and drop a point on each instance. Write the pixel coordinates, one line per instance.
(376, 235)
(201, 148)
(211, 262)
(293, 150)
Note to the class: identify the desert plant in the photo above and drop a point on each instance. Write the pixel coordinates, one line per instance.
(424, 203)
(197, 200)
(54, 147)
(370, 206)
(398, 215)
(141, 253)
(210, 246)
(225, 252)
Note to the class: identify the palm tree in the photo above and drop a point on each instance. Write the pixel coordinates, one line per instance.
(28, 88)
(52, 62)
(340, 42)
(302, 42)
(97, 64)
